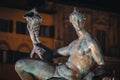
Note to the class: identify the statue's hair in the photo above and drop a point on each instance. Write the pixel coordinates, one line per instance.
(80, 16)
(31, 13)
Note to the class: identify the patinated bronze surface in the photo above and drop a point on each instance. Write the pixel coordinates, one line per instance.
(83, 54)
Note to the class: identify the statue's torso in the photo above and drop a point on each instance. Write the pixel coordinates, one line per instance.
(80, 60)
(80, 56)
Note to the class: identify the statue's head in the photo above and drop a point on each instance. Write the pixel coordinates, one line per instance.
(79, 16)
(77, 19)
(33, 15)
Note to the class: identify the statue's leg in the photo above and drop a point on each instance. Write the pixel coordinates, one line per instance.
(39, 69)
(89, 76)
(20, 71)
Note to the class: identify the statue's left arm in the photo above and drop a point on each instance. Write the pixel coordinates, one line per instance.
(97, 56)
(96, 53)
(64, 51)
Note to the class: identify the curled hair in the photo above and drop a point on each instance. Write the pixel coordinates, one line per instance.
(80, 16)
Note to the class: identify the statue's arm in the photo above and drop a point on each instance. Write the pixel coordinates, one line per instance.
(64, 51)
(61, 52)
(97, 56)
(96, 53)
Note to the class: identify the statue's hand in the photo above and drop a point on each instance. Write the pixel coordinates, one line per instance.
(100, 70)
(39, 51)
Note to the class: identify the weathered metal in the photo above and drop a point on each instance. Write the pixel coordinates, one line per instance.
(83, 54)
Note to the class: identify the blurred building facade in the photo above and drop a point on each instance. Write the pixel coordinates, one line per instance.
(56, 31)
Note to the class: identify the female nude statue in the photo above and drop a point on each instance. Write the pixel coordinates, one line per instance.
(83, 54)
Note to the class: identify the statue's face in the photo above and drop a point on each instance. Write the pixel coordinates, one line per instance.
(77, 19)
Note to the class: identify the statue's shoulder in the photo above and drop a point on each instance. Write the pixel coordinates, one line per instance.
(73, 42)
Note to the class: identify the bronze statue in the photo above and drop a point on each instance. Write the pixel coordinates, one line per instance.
(83, 54)
(33, 27)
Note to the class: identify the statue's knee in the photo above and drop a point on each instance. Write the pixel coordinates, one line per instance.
(19, 65)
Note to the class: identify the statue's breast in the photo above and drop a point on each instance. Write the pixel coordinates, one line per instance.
(83, 45)
(79, 47)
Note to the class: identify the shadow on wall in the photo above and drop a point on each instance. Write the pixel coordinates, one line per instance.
(4, 45)
(7, 72)
(24, 48)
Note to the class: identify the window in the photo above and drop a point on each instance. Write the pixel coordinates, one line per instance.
(47, 31)
(20, 55)
(10, 57)
(13, 56)
(6, 25)
(1, 56)
(21, 28)
(52, 31)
